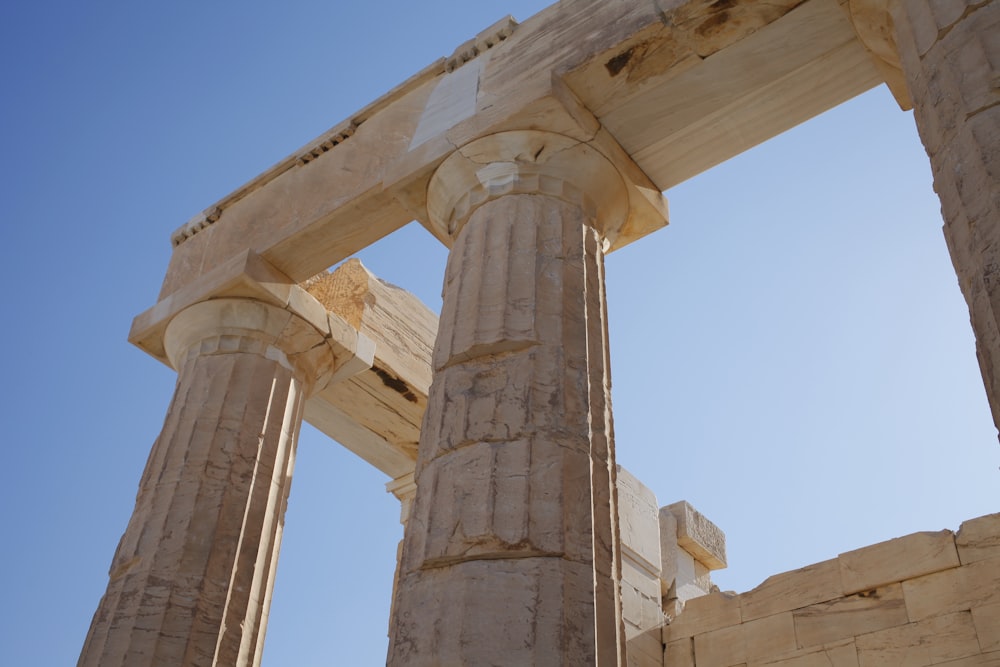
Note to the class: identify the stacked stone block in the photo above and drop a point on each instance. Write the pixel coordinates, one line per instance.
(924, 599)
(667, 555)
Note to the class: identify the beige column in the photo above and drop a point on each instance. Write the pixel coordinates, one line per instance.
(950, 52)
(510, 554)
(949, 55)
(191, 580)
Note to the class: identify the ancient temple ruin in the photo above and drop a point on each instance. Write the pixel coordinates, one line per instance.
(531, 152)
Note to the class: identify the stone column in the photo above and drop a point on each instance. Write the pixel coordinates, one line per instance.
(510, 555)
(191, 580)
(949, 54)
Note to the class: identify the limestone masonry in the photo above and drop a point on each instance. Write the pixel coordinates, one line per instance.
(532, 152)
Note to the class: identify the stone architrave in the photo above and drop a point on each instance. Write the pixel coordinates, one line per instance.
(190, 583)
(511, 551)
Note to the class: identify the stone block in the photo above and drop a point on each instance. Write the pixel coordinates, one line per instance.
(896, 560)
(631, 604)
(638, 518)
(981, 660)
(699, 536)
(692, 579)
(644, 649)
(640, 578)
(847, 617)
(705, 614)
(652, 614)
(720, 648)
(928, 642)
(979, 539)
(987, 622)
(679, 570)
(770, 636)
(957, 589)
(679, 653)
(669, 549)
(932, 18)
(793, 590)
(843, 654)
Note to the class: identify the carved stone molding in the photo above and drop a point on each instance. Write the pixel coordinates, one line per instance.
(221, 326)
(526, 162)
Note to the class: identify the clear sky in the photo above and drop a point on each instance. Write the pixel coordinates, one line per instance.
(792, 355)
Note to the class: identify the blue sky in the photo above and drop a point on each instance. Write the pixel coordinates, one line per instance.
(792, 355)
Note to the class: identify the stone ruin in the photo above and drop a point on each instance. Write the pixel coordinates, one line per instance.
(531, 152)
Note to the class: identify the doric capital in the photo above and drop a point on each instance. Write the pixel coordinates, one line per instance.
(405, 490)
(527, 162)
(228, 325)
(875, 26)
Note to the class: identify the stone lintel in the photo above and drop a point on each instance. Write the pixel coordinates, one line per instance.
(378, 412)
(698, 536)
(580, 69)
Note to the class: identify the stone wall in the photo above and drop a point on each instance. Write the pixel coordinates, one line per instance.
(924, 599)
(667, 557)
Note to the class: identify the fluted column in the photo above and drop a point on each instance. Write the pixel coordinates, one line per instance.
(191, 580)
(510, 555)
(951, 57)
(949, 54)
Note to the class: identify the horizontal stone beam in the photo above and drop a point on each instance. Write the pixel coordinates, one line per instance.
(384, 334)
(663, 90)
(378, 412)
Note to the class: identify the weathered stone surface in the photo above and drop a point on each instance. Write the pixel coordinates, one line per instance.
(770, 636)
(720, 648)
(929, 642)
(439, 615)
(958, 589)
(679, 653)
(950, 54)
(699, 536)
(793, 590)
(518, 496)
(639, 520)
(979, 539)
(705, 614)
(896, 560)
(640, 593)
(842, 654)
(847, 617)
(377, 412)
(190, 582)
(645, 649)
(946, 617)
(987, 621)
(682, 576)
(981, 660)
(516, 463)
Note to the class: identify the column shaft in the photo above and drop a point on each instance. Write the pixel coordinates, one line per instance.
(509, 554)
(191, 579)
(950, 53)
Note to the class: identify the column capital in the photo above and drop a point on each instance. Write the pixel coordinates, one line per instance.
(526, 162)
(540, 162)
(250, 278)
(243, 325)
(875, 26)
